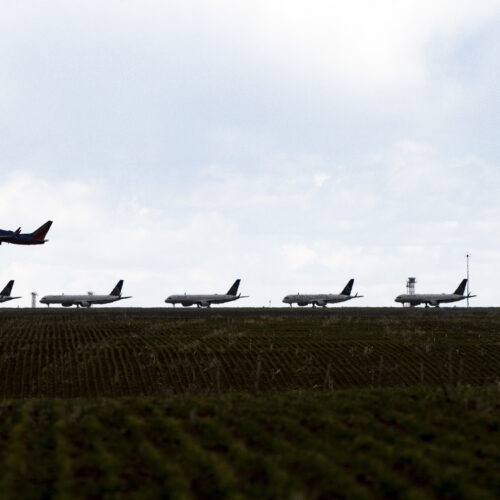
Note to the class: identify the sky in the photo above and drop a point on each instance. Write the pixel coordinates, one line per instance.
(181, 145)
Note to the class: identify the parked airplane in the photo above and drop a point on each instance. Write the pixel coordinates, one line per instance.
(206, 300)
(85, 300)
(434, 299)
(322, 299)
(5, 293)
(37, 237)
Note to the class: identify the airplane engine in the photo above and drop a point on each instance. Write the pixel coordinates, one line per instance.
(321, 303)
(186, 304)
(434, 303)
(85, 304)
(302, 304)
(205, 304)
(66, 305)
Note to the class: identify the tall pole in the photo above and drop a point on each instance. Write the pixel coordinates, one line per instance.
(467, 255)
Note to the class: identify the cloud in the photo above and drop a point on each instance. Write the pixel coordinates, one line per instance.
(425, 185)
(297, 256)
(320, 179)
(181, 145)
(365, 44)
(29, 198)
(278, 230)
(360, 43)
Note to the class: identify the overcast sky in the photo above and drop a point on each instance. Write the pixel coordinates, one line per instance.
(182, 145)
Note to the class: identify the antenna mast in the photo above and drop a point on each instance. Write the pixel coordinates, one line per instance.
(467, 255)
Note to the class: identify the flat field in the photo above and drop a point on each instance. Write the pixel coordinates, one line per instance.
(153, 352)
(264, 403)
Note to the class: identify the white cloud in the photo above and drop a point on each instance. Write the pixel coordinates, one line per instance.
(297, 256)
(361, 43)
(357, 43)
(321, 178)
(169, 248)
(32, 200)
(181, 145)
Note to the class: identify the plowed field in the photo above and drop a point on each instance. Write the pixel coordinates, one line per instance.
(241, 403)
(92, 353)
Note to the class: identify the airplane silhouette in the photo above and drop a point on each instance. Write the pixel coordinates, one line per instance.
(85, 300)
(5, 293)
(207, 300)
(37, 237)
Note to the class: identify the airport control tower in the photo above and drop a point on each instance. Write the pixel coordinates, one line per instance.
(410, 286)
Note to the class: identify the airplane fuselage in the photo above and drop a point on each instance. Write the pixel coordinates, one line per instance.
(80, 300)
(200, 300)
(429, 299)
(18, 239)
(317, 299)
(37, 237)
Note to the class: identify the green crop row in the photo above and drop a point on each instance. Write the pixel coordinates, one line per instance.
(404, 443)
(99, 354)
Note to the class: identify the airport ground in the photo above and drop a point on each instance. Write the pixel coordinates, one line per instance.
(263, 403)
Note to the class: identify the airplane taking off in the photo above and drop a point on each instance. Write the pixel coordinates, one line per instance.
(37, 237)
(206, 300)
(434, 299)
(5, 293)
(322, 299)
(85, 300)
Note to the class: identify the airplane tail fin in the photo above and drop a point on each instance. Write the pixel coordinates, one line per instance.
(40, 233)
(348, 288)
(461, 288)
(234, 289)
(8, 289)
(117, 290)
